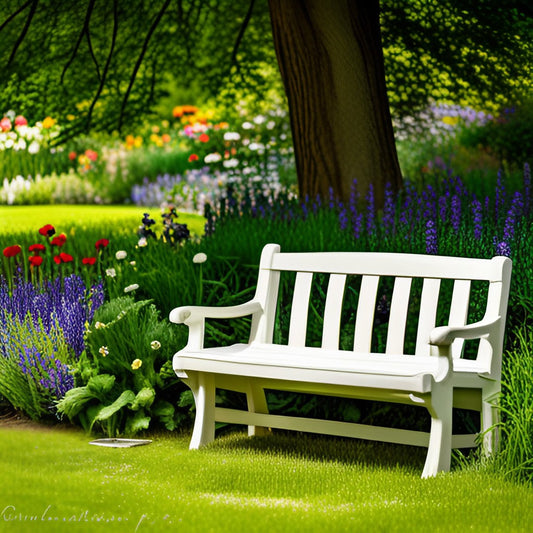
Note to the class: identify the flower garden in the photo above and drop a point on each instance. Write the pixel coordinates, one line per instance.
(84, 306)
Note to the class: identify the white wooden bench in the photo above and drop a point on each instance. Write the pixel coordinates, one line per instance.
(436, 376)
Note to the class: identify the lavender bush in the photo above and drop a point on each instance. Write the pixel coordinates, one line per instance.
(42, 332)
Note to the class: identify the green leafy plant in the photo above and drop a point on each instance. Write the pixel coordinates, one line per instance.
(125, 376)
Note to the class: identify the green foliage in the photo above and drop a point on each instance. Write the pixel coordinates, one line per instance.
(508, 136)
(124, 377)
(516, 406)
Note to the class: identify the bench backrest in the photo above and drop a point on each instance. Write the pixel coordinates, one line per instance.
(402, 270)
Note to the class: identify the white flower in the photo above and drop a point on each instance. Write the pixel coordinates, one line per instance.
(121, 254)
(33, 148)
(111, 272)
(199, 258)
(142, 242)
(247, 125)
(155, 345)
(103, 351)
(212, 158)
(132, 287)
(99, 325)
(133, 263)
(259, 119)
(231, 136)
(231, 163)
(136, 364)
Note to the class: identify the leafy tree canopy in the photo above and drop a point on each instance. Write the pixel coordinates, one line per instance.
(105, 64)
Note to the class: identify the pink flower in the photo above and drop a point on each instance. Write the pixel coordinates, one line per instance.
(91, 154)
(5, 124)
(20, 121)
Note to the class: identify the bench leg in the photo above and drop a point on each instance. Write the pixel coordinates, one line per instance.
(257, 403)
(203, 389)
(489, 421)
(440, 438)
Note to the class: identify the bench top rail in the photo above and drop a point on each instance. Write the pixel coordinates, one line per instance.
(371, 268)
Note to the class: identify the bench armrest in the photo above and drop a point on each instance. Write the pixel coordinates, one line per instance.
(445, 335)
(194, 317)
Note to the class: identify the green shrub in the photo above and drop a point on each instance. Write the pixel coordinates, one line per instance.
(126, 375)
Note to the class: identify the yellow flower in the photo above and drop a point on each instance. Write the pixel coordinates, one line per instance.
(48, 122)
(103, 351)
(136, 364)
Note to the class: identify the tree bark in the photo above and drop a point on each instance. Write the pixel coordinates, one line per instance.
(331, 61)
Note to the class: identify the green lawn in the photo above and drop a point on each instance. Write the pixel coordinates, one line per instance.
(18, 219)
(53, 480)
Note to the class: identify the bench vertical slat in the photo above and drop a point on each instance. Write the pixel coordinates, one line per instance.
(366, 307)
(398, 315)
(459, 311)
(429, 301)
(332, 311)
(300, 308)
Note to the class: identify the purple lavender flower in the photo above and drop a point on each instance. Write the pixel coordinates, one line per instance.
(478, 219)
(455, 214)
(431, 238)
(343, 217)
(388, 209)
(370, 211)
(502, 248)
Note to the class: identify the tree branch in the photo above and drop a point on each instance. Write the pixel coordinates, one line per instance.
(23, 32)
(244, 25)
(106, 67)
(13, 15)
(80, 38)
(140, 60)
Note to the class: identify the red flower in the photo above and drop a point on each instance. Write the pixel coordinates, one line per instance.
(193, 157)
(12, 251)
(101, 243)
(88, 260)
(63, 258)
(47, 231)
(203, 138)
(20, 121)
(36, 248)
(72, 155)
(35, 260)
(59, 240)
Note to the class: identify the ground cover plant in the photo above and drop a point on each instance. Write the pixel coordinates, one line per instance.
(55, 481)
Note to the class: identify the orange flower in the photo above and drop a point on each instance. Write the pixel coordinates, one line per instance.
(48, 123)
(203, 138)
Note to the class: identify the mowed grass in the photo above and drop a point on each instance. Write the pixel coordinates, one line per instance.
(22, 219)
(54, 480)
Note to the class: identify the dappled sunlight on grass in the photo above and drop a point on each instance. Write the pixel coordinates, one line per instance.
(285, 482)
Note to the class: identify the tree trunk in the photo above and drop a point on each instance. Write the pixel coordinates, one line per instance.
(331, 62)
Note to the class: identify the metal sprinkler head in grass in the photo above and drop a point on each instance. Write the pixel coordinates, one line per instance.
(120, 443)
